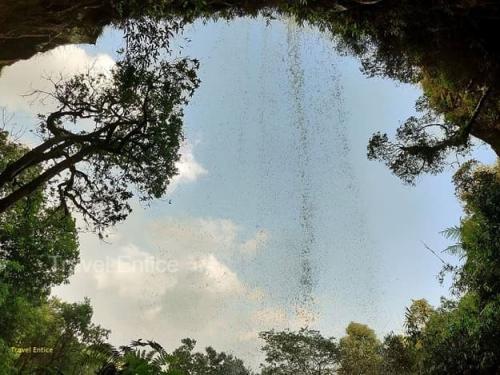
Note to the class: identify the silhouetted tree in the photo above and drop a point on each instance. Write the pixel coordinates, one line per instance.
(423, 143)
(109, 133)
(303, 352)
(397, 356)
(149, 357)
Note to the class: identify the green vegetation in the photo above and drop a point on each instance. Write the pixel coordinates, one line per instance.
(134, 359)
(132, 145)
(303, 352)
(459, 336)
(448, 47)
(133, 139)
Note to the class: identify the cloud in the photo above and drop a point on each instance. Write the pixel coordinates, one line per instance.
(171, 278)
(129, 272)
(189, 170)
(21, 78)
(253, 245)
(218, 277)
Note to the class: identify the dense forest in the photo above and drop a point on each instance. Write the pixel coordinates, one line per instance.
(131, 150)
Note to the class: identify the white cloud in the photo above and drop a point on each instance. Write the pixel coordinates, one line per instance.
(271, 316)
(189, 170)
(202, 295)
(217, 276)
(25, 76)
(129, 272)
(253, 245)
(21, 78)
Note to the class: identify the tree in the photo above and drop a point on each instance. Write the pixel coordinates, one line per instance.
(423, 144)
(38, 249)
(448, 48)
(416, 318)
(303, 352)
(472, 324)
(461, 336)
(359, 351)
(56, 337)
(149, 357)
(182, 361)
(397, 356)
(450, 341)
(38, 244)
(479, 188)
(109, 133)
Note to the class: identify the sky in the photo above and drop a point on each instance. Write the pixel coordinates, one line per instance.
(276, 219)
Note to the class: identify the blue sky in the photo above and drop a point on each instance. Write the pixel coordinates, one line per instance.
(278, 218)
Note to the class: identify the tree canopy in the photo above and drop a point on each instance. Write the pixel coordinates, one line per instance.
(109, 134)
(304, 352)
(116, 135)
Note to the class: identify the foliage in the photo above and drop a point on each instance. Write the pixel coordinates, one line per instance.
(462, 336)
(451, 343)
(440, 45)
(183, 361)
(38, 244)
(116, 135)
(479, 188)
(416, 318)
(423, 143)
(397, 356)
(38, 249)
(63, 330)
(109, 133)
(359, 351)
(436, 43)
(304, 352)
(151, 358)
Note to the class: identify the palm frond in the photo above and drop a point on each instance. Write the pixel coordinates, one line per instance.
(455, 249)
(453, 233)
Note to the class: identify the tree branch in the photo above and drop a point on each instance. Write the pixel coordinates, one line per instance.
(30, 187)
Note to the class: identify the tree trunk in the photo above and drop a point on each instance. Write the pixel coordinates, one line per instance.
(38, 182)
(490, 135)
